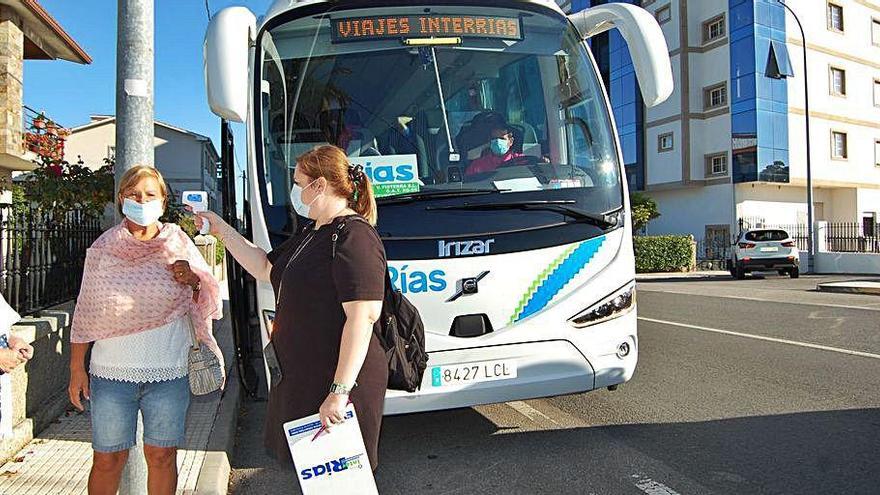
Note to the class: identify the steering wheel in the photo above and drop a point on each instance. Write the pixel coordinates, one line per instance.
(522, 161)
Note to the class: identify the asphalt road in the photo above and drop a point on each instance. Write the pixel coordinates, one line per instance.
(752, 387)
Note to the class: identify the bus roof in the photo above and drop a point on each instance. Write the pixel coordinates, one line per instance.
(281, 6)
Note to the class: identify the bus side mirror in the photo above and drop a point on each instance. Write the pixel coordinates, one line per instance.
(227, 45)
(645, 40)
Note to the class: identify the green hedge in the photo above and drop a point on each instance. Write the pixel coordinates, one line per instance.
(220, 252)
(665, 253)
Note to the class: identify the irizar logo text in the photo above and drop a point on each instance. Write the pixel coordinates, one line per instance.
(334, 466)
(446, 249)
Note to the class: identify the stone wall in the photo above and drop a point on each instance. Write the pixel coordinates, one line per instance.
(39, 388)
(11, 85)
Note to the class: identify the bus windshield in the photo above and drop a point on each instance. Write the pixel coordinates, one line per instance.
(438, 101)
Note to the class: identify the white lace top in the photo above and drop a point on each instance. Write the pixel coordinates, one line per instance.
(150, 356)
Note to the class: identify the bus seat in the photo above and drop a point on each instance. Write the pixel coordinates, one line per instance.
(395, 142)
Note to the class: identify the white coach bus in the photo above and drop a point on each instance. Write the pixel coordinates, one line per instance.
(488, 136)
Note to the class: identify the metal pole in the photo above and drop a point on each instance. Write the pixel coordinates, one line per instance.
(134, 146)
(811, 240)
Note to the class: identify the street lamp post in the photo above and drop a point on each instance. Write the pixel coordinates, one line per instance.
(811, 242)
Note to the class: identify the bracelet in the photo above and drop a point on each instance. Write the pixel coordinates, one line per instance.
(341, 389)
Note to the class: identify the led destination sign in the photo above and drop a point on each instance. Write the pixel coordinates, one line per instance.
(425, 26)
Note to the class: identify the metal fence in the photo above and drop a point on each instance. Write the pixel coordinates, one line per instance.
(42, 254)
(713, 249)
(852, 237)
(846, 237)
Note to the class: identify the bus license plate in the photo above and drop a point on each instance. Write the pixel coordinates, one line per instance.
(462, 374)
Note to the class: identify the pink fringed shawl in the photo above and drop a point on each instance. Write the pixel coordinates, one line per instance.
(128, 288)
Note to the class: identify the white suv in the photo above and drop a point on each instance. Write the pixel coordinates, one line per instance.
(764, 250)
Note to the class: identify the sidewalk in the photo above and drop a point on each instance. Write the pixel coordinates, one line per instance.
(682, 275)
(871, 287)
(58, 460)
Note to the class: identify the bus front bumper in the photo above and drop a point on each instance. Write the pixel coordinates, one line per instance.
(543, 369)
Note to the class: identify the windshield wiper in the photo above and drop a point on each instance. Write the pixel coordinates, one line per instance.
(601, 220)
(439, 193)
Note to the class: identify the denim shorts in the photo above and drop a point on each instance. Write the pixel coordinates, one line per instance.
(114, 406)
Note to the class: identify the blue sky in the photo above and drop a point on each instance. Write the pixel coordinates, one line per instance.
(69, 92)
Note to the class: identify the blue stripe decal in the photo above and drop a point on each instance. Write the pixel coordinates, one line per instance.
(561, 276)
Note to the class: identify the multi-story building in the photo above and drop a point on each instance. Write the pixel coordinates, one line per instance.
(187, 160)
(730, 142)
(27, 32)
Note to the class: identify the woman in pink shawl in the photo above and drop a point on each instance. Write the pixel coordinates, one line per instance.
(145, 289)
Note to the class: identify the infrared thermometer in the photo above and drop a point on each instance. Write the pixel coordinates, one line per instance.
(198, 201)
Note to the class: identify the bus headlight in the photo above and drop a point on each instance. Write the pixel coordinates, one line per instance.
(618, 303)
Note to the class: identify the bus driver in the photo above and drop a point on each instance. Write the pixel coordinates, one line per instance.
(498, 152)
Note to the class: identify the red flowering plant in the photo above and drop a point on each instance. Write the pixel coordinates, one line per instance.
(57, 185)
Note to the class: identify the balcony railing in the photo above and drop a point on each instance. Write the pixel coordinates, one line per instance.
(42, 135)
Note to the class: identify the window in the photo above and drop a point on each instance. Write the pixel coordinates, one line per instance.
(716, 165)
(715, 96)
(778, 61)
(766, 235)
(511, 79)
(877, 153)
(875, 31)
(838, 82)
(877, 92)
(663, 14)
(869, 222)
(665, 142)
(713, 29)
(838, 145)
(835, 17)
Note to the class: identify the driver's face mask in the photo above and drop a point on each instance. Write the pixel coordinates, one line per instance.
(499, 146)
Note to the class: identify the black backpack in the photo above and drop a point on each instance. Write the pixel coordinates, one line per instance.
(401, 334)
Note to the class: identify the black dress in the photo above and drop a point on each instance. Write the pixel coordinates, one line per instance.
(308, 327)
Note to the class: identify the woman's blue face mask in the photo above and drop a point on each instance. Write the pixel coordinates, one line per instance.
(499, 146)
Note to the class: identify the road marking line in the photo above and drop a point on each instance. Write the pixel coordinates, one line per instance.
(746, 298)
(768, 339)
(652, 487)
(530, 412)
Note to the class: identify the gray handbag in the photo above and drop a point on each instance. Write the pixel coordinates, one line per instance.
(205, 371)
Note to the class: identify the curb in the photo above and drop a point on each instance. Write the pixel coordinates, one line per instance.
(662, 277)
(848, 289)
(216, 469)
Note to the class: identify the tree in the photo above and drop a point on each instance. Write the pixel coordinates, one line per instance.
(644, 209)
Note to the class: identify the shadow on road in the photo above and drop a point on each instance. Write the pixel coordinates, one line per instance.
(462, 452)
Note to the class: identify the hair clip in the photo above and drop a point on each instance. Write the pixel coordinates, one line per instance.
(355, 173)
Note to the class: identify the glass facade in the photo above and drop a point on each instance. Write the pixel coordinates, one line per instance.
(758, 102)
(618, 74)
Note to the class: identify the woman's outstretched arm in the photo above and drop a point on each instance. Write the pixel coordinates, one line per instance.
(248, 255)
